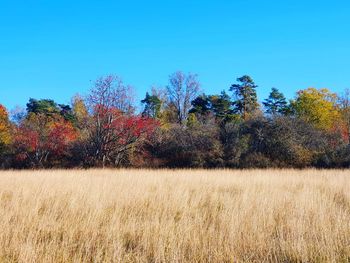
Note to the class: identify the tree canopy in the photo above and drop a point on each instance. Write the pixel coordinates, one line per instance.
(179, 127)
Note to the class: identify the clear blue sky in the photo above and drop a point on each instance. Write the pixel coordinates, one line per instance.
(52, 49)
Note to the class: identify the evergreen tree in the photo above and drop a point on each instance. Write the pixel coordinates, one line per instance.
(246, 102)
(201, 105)
(44, 106)
(219, 106)
(50, 108)
(276, 103)
(67, 112)
(152, 106)
(222, 106)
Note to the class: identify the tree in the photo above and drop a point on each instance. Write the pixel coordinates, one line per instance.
(61, 134)
(221, 106)
(44, 106)
(201, 105)
(66, 112)
(246, 98)
(113, 130)
(79, 111)
(344, 103)
(5, 134)
(152, 106)
(182, 90)
(292, 142)
(40, 138)
(196, 146)
(5, 127)
(234, 142)
(18, 114)
(110, 92)
(318, 107)
(276, 103)
(113, 134)
(49, 108)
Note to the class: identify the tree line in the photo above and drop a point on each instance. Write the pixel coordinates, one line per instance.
(179, 127)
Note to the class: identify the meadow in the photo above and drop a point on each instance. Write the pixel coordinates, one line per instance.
(175, 216)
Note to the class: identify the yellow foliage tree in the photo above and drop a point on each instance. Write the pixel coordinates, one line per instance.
(80, 111)
(318, 106)
(5, 127)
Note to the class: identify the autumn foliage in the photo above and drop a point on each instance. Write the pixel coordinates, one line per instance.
(318, 107)
(5, 127)
(41, 138)
(179, 127)
(112, 134)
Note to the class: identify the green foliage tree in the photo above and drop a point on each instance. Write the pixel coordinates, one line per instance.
(67, 113)
(201, 105)
(246, 102)
(152, 106)
(49, 108)
(221, 105)
(276, 103)
(43, 106)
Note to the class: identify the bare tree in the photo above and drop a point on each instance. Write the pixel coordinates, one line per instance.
(110, 92)
(182, 89)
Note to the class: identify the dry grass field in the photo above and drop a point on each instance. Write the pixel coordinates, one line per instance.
(175, 216)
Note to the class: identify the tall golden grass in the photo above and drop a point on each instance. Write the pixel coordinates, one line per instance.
(175, 216)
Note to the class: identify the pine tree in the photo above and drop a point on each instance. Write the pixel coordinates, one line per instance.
(152, 105)
(222, 106)
(276, 103)
(201, 105)
(246, 98)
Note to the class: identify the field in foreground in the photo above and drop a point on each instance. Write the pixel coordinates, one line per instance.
(175, 216)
